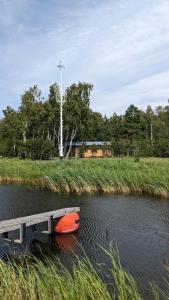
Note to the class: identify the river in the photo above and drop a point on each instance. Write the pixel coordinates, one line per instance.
(137, 225)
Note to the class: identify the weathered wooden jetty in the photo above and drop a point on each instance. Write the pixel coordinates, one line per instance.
(33, 220)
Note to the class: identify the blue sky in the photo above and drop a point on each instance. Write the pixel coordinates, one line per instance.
(121, 46)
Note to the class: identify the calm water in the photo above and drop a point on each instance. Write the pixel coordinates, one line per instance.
(139, 226)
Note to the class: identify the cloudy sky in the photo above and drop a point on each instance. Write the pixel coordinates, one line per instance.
(121, 46)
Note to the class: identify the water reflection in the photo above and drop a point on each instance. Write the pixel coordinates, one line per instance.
(64, 243)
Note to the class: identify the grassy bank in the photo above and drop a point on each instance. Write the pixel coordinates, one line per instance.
(31, 281)
(121, 175)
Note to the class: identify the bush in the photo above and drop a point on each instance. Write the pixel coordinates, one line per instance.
(24, 149)
(37, 149)
(5, 148)
(47, 150)
(136, 159)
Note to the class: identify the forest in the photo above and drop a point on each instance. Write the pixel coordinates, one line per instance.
(33, 130)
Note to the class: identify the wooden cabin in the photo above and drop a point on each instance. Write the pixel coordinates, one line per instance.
(91, 149)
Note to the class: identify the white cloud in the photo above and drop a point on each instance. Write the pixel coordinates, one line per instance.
(120, 46)
(153, 90)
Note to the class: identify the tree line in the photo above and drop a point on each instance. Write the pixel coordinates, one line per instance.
(33, 130)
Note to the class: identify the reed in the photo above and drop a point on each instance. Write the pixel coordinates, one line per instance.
(51, 280)
(114, 175)
(32, 279)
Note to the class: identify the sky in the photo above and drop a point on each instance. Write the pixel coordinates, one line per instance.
(121, 46)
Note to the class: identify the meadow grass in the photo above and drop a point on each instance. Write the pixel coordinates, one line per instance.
(31, 280)
(111, 175)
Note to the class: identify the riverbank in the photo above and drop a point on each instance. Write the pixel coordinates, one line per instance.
(34, 279)
(113, 175)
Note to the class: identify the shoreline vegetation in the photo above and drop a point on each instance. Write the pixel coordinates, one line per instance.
(32, 279)
(110, 175)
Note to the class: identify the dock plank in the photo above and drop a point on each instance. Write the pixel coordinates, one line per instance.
(14, 224)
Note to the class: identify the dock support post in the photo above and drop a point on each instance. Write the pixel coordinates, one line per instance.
(22, 233)
(50, 224)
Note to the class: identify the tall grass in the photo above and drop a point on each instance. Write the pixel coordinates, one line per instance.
(51, 280)
(32, 279)
(149, 176)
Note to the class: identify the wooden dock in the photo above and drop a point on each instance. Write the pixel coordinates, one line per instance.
(33, 220)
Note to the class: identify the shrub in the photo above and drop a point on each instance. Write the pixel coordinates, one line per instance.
(47, 150)
(5, 148)
(37, 149)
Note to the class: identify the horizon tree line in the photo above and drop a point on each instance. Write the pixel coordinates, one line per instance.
(33, 130)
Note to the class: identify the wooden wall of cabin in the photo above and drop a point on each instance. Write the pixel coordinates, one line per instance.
(76, 152)
(98, 153)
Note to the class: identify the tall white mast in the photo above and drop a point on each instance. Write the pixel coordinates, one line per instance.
(60, 66)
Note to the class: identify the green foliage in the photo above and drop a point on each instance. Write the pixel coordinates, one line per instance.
(5, 148)
(47, 150)
(134, 133)
(141, 133)
(34, 279)
(76, 111)
(34, 130)
(24, 149)
(36, 149)
(136, 159)
(82, 150)
(112, 175)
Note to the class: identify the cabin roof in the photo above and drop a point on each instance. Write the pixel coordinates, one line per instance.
(90, 143)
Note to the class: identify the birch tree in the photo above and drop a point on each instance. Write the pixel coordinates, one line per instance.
(29, 112)
(76, 112)
(51, 117)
